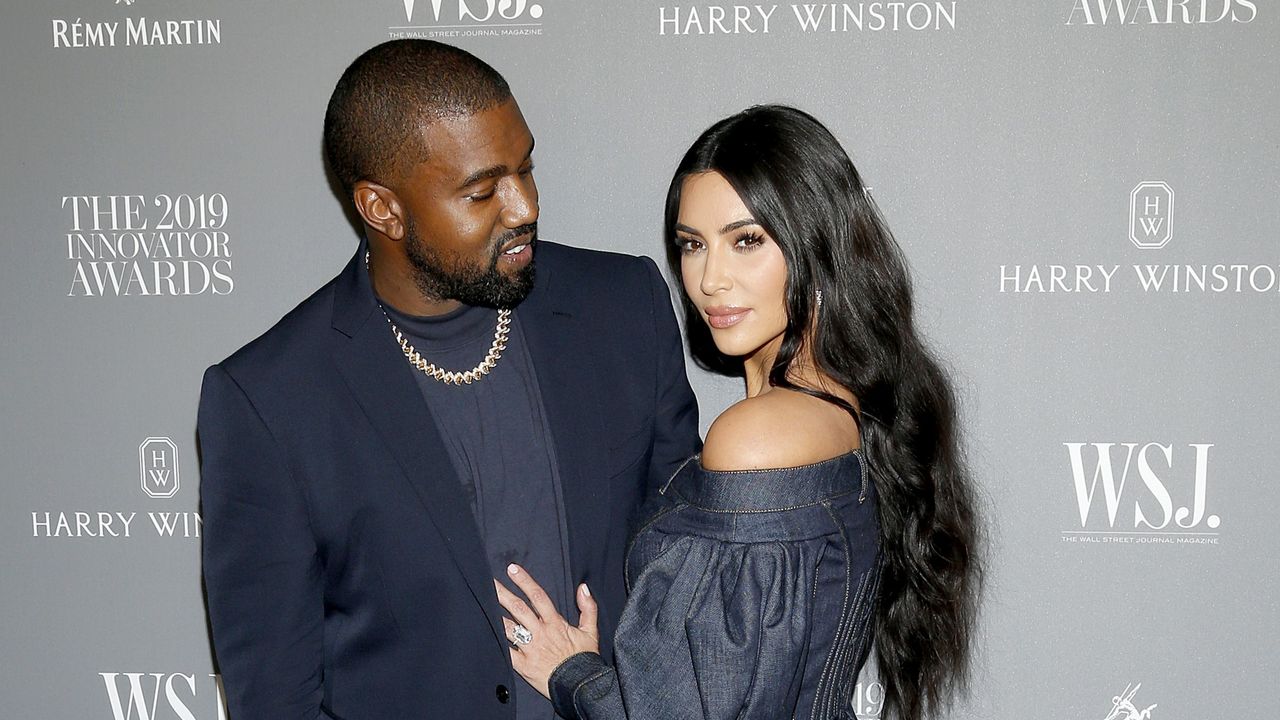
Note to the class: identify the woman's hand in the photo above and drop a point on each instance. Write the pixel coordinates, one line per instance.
(554, 639)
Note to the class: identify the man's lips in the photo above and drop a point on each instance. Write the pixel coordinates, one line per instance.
(723, 316)
(520, 242)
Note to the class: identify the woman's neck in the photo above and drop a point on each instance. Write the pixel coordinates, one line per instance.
(802, 372)
(757, 365)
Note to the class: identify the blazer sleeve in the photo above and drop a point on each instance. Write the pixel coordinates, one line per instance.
(675, 435)
(261, 567)
(712, 631)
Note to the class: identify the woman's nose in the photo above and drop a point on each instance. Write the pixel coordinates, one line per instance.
(715, 274)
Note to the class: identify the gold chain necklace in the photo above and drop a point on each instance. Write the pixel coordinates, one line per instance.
(447, 376)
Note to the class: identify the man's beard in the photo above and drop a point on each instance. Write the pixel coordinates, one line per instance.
(441, 278)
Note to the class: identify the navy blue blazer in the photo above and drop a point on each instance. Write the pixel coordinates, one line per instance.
(344, 570)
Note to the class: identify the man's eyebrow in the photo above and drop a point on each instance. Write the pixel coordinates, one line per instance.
(492, 171)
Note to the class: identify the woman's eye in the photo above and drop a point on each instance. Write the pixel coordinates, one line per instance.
(750, 241)
(688, 245)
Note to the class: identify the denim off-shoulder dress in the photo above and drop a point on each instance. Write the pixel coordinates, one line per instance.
(752, 595)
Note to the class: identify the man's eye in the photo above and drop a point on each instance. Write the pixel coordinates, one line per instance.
(480, 196)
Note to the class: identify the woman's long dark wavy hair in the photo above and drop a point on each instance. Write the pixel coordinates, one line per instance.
(799, 184)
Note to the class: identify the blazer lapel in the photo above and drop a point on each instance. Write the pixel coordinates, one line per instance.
(382, 382)
(561, 354)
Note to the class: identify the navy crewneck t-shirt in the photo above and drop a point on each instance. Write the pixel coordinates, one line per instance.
(498, 438)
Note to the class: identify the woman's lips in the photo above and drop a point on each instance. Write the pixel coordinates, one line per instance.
(722, 316)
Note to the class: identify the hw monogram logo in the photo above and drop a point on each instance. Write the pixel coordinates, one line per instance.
(1122, 707)
(158, 465)
(1151, 215)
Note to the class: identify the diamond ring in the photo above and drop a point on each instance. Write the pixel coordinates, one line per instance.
(520, 635)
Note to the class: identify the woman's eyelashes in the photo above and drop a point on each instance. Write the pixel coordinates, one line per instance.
(748, 241)
(744, 242)
(688, 245)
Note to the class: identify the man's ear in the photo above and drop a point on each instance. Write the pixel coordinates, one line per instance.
(380, 208)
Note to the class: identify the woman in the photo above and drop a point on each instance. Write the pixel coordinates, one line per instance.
(829, 502)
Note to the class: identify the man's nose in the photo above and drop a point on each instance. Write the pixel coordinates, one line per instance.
(521, 206)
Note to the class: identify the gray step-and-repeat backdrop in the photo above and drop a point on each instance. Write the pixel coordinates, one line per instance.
(1086, 190)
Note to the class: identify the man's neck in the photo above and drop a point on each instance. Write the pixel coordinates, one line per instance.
(394, 286)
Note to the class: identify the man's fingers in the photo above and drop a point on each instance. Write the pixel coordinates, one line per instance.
(532, 590)
(588, 611)
(517, 607)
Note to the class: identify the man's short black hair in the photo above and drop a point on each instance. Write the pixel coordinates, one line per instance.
(383, 100)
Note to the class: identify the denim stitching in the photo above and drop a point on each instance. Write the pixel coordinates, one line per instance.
(813, 603)
(631, 544)
(578, 708)
(857, 452)
(823, 501)
(863, 472)
(746, 697)
(848, 652)
(818, 696)
(663, 490)
(868, 594)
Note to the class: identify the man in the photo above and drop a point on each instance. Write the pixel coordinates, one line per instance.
(436, 411)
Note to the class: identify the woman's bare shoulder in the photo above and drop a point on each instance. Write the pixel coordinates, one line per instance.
(778, 429)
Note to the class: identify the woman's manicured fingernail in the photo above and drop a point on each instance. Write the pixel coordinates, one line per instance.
(513, 569)
(586, 591)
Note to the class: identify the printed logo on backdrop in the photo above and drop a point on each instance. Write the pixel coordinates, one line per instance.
(138, 245)
(190, 696)
(1151, 215)
(164, 696)
(1122, 707)
(140, 31)
(442, 19)
(158, 467)
(844, 17)
(1150, 224)
(158, 460)
(1161, 12)
(1140, 493)
(868, 700)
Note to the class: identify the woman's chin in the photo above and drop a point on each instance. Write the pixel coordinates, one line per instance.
(734, 347)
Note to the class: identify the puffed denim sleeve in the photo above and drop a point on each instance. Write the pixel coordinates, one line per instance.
(585, 686)
(712, 630)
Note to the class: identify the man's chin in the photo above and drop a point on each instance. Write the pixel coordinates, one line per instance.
(504, 290)
(520, 285)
